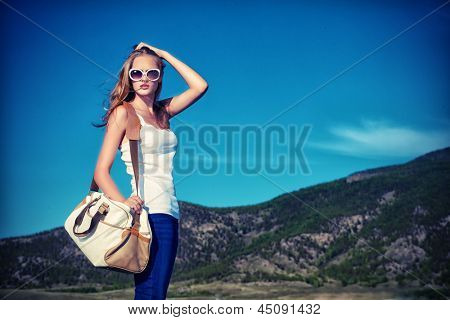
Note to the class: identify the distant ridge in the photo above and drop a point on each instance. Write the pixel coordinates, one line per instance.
(380, 225)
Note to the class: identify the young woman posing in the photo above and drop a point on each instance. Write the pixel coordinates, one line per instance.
(139, 87)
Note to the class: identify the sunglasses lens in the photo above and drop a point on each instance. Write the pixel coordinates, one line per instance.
(153, 74)
(136, 75)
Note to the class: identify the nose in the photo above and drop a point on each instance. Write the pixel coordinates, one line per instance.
(144, 76)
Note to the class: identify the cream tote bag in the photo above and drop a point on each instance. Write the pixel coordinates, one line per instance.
(108, 232)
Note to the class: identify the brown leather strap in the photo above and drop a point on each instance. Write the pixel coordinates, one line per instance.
(100, 216)
(136, 233)
(94, 221)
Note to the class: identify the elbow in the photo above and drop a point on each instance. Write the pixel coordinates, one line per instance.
(203, 88)
(99, 173)
(97, 177)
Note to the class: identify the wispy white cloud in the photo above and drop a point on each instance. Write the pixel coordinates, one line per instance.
(382, 139)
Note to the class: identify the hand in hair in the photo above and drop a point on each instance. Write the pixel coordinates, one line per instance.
(159, 52)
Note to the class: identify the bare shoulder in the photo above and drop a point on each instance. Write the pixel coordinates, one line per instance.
(119, 116)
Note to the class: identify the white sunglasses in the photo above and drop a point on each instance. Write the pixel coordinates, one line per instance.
(138, 74)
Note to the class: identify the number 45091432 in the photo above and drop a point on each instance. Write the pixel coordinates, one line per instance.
(269, 308)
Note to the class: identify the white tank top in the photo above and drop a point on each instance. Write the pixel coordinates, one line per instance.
(155, 155)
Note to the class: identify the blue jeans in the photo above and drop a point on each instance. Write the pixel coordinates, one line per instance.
(153, 282)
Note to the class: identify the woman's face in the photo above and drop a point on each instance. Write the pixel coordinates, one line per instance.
(145, 86)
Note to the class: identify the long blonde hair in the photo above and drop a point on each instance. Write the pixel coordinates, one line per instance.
(123, 90)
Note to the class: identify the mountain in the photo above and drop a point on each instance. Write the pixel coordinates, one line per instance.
(387, 224)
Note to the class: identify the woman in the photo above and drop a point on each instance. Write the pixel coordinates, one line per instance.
(139, 85)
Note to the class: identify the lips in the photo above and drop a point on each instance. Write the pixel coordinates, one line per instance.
(145, 86)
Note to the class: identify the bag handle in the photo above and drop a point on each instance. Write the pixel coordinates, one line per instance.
(133, 134)
(94, 221)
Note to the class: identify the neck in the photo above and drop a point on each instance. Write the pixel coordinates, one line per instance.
(143, 102)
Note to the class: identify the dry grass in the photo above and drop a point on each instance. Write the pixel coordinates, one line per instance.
(289, 290)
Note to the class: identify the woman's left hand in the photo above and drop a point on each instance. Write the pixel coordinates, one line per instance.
(159, 52)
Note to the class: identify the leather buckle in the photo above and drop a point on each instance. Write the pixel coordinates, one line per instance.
(104, 208)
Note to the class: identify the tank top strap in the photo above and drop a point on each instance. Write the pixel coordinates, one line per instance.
(142, 121)
(133, 130)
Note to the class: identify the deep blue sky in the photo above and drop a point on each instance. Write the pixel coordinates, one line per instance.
(258, 58)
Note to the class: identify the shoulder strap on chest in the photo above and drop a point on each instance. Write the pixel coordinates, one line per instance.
(133, 125)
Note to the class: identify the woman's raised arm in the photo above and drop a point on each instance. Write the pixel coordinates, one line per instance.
(197, 85)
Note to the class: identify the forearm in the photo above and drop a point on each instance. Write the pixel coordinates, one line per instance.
(192, 78)
(107, 185)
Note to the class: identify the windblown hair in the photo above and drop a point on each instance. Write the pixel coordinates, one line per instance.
(123, 90)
